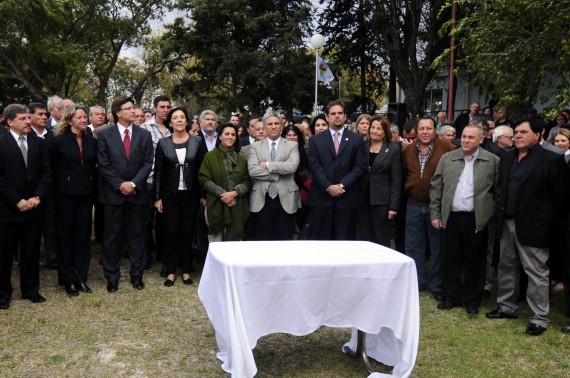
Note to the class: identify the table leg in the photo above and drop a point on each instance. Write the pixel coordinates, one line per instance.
(360, 351)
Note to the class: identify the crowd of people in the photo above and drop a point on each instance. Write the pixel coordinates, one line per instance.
(458, 199)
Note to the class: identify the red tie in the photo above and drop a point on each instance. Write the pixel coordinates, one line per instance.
(127, 142)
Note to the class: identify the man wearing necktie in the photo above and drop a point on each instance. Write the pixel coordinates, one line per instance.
(337, 160)
(25, 178)
(272, 164)
(125, 156)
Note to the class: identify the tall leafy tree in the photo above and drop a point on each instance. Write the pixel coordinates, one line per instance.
(68, 47)
(352, 46)
(512, 48)
(403, 32)
(244, 52)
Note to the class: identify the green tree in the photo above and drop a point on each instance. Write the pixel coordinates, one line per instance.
(68, 47)
(508, 48)
(404, 34)
(352, 47)
(243, 52)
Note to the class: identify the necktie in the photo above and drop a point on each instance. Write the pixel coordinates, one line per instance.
(127, 142)
(23, 149)
(272, 189)
(336, 142)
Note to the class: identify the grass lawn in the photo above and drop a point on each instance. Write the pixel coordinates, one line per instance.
(165, 332)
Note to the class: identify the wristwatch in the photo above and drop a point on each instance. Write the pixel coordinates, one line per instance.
(133, 184)
(341, 186)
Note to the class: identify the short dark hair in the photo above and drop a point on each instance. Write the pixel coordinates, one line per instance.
(171, 112)
(160, 98)
(220, 129)
(426, 118)
(36, 105)
(535, 125)
(335, 103)
(409, 125)
(117, 104)
(312, 125)
(12, 110)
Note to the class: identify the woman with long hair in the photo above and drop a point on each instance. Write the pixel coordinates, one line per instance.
(73, 157)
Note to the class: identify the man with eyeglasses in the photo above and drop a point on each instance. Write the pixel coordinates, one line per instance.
(125, 157)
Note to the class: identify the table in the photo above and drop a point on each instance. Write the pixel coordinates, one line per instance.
(252, 289)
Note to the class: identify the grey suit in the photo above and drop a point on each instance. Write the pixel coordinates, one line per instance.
(269, 225)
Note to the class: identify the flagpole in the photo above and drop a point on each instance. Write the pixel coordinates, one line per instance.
(317, 41)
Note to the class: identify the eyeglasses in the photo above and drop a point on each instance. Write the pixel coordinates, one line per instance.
(128, 109)
(508, 137)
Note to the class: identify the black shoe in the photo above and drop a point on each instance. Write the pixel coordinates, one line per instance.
(486, 294)
(71, 290)
(138, 283)
(4, 304)
(188, 281)
(499, 314)
(112, 287)
(169, 283)
(438, 296)
(35, 298)
(564, 329)
(163, 271)
(447, 306)
(472, 310)
(535, 329)
(84, 288)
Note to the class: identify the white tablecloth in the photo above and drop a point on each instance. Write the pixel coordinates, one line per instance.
(252, 289)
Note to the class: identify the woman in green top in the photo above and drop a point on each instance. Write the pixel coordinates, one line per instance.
(225, 179)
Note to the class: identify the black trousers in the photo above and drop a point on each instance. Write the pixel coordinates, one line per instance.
(125, 221)
(372, 224)
(331, 223)
(154, 218)
(180, 212)
(272, 222)
(48, 232)
(464, 250)
(73, 233)
(26, 236)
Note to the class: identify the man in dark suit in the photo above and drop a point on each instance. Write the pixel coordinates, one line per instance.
(337, 160)
(248, 139)
(39, 121)
(531, 202)
(208, 133)
(125, 157)
(25, 178)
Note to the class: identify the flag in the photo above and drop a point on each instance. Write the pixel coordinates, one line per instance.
(325, 73)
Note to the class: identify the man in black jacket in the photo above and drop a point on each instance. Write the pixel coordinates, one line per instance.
(25, 177)
(532, 201)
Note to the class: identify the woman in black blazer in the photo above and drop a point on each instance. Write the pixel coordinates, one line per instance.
(381, 184)
(73, 156)
(177, 193)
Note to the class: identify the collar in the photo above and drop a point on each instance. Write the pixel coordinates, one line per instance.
(473, 158)
(17, 137)
(123, 128)
(42, 135)
(332, 131)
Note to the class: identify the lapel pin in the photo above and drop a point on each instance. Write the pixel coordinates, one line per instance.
(346, 139)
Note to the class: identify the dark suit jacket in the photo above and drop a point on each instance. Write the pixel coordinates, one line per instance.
(73, 174)
(244, 141)
(115, 168)
(385, 176)
(167, 167)
(18, 182)
(542, 200)
(460, 122)
(328, 168)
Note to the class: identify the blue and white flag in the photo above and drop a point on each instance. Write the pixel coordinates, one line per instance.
(325, 73)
